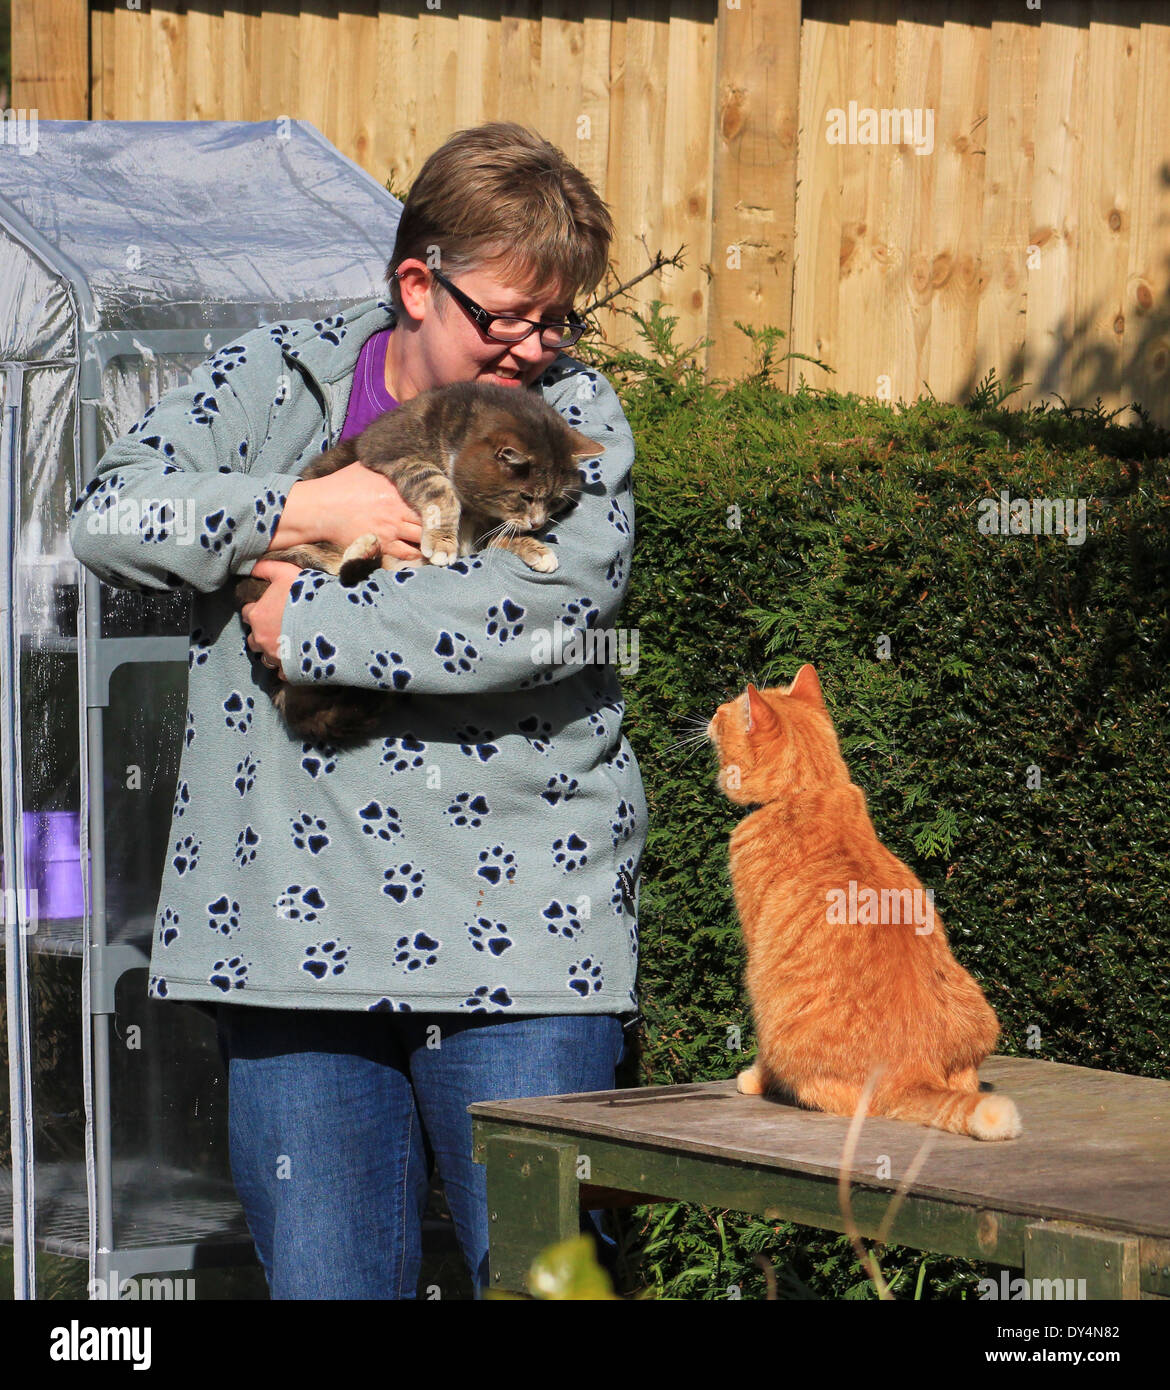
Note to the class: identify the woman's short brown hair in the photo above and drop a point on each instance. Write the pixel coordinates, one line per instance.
(500, 193)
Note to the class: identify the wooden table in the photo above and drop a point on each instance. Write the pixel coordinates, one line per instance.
(1084, 1193)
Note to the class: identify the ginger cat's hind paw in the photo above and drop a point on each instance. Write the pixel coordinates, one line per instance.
(750, 1082)
(995, 1117)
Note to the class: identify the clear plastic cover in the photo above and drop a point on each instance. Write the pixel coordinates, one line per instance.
(146, 230)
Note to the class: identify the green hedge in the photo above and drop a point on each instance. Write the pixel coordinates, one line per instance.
(1008, 654)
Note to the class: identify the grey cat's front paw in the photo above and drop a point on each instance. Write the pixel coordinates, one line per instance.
(439, 547)
(362, 556)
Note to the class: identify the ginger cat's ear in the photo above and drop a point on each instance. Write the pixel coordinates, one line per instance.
(585, 448)
(807, 687)
(760, 713)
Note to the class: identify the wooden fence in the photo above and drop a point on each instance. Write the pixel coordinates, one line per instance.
(915, 195)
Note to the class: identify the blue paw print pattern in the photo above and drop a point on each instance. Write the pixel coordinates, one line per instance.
(309, 832)
(597, 724)
(168, 926)
(389, 1006)
(503, 620)
(245, 778)
(389, 670)
(304, 587)
(267, 506)
(464, 567)
(497, 865)
(616, 572)
(403, 753)
(198, 649)
(226, 360)
(585, 977)
(560, 788)
(246, 842)
(317, 657)
(223, 915)
(489, 936)
(536, 731)
(325, 959)
(156, 521)
(488, 1000)
(620, 759)
(331, 329)
(456, 652)
(217, 530)
(141, 424)
(404, 882)
(157, 988)
(562, 920)
(365, 594)
(416, 952)
(476, 743)
(617, 518)
(300, 904)
(204, 408)
(590, 472)
(570, 852)
(380, 820)
(230, 974)
(237, 711)
(100, 493)
(189, 730)
(186, 854)
(623, 822)
(318, 759)
(156, 441)
(468, 810)
(579, 612)
(182, 800)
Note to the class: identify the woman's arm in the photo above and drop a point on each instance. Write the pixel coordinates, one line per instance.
(170, 504)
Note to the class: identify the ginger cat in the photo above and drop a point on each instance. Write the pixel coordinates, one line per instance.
(833, 998)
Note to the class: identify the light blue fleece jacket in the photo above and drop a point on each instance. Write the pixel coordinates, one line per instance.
(481, 852)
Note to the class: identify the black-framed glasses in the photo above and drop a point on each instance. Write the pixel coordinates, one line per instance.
(561, 333)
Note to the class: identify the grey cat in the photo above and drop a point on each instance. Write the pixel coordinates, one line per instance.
(483, 465)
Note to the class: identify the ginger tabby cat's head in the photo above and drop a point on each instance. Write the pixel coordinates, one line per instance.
(776, 743)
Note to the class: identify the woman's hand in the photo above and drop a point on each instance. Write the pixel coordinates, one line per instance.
(264, 617)
(354, 501)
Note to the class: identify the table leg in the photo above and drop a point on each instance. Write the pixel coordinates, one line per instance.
(533, 1202)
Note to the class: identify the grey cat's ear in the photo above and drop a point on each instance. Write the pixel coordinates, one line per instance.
(511, 458)
(585, 448)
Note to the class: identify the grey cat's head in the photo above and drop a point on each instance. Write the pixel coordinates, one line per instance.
(518, 459)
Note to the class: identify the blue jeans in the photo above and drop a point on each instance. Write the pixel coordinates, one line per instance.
(335, 1118)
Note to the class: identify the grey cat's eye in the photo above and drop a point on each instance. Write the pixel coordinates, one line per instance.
(557, 334)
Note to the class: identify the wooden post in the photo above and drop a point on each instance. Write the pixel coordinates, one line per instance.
(756, 104)
(533, 1202)
(50, 58)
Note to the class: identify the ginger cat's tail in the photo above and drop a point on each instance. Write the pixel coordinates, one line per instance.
(981, 1115)
(989, 1116)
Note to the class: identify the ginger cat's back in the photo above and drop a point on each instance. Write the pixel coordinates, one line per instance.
(837, 995)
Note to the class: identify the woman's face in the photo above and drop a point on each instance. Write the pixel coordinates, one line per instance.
(437, 351)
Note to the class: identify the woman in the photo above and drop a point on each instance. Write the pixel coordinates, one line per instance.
(446, 913)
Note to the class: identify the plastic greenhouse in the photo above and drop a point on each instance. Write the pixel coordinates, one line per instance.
(129, 253)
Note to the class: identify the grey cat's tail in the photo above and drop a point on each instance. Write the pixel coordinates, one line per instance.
(333, 714)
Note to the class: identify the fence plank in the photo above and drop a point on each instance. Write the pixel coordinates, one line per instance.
(753, 176)
(50, 59)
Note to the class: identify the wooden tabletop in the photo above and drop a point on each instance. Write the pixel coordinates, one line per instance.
(1095, 1146)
